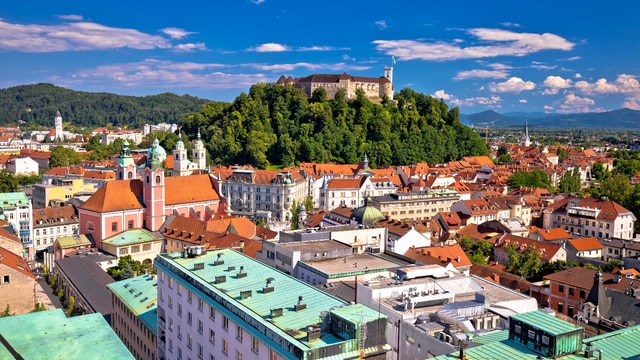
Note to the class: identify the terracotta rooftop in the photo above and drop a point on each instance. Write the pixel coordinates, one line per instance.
(15, 262)
(584, 244)
(187, 189)
(116, 195)
(439, 255)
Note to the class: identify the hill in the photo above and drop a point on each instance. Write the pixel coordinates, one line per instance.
(37, 104)
(616, 119)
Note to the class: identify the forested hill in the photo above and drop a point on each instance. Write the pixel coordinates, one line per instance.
(275, 124)
(37, 105)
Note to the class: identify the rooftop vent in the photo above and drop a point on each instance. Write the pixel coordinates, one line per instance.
(300, 305)
(245, 294)
(198, 266)
(218, 261)
(220, 279)
(276, 312)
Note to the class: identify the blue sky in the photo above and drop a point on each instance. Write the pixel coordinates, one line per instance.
(554, 57)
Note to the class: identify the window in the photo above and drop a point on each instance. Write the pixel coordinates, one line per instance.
(239, 333)
(531, 334)
(6, 279)
(518, 329)
(199, 351)
(189, 296)
(130, 224)
(225, 346)
(225, 322)
(238, 355)
(200, 304)
(189, 341)
(114, 226)
(189, 317)
(200, 326)
(255, 344)
(545, 340)
(179, 332)
(124, 251)
(158, 179)
(561, 289)
(170, 302)
(212, 313)
(179, 309)
(212, 336)
(582, 294)
(571, 291)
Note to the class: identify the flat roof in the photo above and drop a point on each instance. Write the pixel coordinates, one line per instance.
(314, 245)
(131, 237)
(140, 295)
(73, 241)
(52, 335)
(546, 322)
(619, 344)
(361, 263)
(255, 303)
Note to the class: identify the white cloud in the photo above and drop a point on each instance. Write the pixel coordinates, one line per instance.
(320, 48)
(491, 102)
(71, 17)
(542, 66)
(493, 42)
(270, 47)
(573, 58)
(554, 83)
(523, 101)
(500, 66)
(162, 74)
(307, 66)
(380, 24)
(510, 24)
(577, 76)
(480, 74)
(346, 57)
(513, 85)
(548, 108)
(258, 2)
(440, 94)
(77, 36)
(176, 33)
(572, 103)
(190, 47)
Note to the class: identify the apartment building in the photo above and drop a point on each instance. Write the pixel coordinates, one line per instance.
(221, 304)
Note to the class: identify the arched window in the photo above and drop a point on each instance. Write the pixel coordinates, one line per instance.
(90, 226)
(157, 179)
(130, 175)
(147, 179)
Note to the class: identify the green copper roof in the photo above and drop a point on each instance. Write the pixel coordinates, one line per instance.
(619, 344)
(246, 294)
(140, 295)
(73, 241)
(367, 215)
(130, 237)
(546, 322)
(52, 335)
(13, 199)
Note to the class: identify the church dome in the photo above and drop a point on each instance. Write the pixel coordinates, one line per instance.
(156, 155)
(367, 214)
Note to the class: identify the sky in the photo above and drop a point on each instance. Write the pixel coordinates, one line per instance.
(506, 56)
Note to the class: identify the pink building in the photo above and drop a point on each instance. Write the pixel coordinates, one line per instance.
(132, 201)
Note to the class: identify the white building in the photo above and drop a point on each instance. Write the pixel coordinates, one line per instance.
(26, 166)
(16, 208)
(222, 304)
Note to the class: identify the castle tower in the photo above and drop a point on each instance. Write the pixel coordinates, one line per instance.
(180, 161)
(199, 154)
(153, 192)
(126, 168)
(525, 140)
(58, 126)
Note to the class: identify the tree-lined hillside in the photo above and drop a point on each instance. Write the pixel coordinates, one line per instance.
(275, 124)
(37, 106)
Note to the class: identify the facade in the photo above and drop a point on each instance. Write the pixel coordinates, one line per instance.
(141, 244)
(350, 192)
(374, 88)
(250, 192)
(222, 304)
(133, 136)
(59, 190)
(16, 208)
(182, 166)
(134, 315)
(65, 246)
(584, 249)
(361, 267)
(25, 166)
(130, 202)
(600, 218)
(284, 256)
(415, 205)
(478, 210)
(51, 223)
(17, 283)
(51, 334)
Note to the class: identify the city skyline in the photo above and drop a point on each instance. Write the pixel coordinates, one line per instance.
(501, 56)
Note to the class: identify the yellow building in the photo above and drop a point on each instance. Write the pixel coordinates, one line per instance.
(60, 190)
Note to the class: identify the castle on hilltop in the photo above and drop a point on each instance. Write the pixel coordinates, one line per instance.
(374, 88)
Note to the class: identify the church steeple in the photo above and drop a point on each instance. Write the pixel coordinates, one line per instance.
(525, 140)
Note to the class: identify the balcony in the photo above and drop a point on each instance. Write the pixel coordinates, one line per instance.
(162, 323)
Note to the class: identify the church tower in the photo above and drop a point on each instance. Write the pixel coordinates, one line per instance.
(58, 125)
(199, 154)
(525, 140)
(180, 161)
(153, 192)
(126, 168)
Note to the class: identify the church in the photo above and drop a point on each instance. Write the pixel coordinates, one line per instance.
(142, 197)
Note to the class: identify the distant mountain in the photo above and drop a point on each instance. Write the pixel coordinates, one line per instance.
(616, 119)
(36, 105)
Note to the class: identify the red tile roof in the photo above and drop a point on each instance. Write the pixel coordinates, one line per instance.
(188, 189)
(440, 255)
(550, 234)
(15, 262)
(116, 195)
(584, 244)
(351, 183)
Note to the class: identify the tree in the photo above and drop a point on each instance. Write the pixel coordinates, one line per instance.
(570, 182)
(8, 182)
(599, 172)
(61, 156)
(525, 264)
(308, 203)
(295, 209)
(125, 269)
(39, 307)
(535, 179)
(72, 305)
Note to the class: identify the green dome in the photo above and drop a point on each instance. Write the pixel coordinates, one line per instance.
(367, 215)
